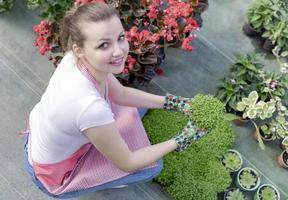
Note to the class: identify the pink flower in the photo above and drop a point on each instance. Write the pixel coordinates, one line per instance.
(153, 13)
(131, 62)
(186, 44)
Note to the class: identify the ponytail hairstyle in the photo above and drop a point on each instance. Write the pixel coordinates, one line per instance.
(70, 30)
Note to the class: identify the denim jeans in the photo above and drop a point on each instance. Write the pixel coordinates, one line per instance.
(134, 178)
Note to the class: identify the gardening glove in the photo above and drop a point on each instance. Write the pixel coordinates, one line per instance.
(190, 133)
(178, 103)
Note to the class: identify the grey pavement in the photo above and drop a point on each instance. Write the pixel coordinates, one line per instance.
(25, 74)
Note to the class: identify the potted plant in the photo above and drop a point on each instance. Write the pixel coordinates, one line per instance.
(259, 14)
(265, 133)
(230, 91)
(232, 160)
(276, 32)
(278, 127)
(284, 143)
(243, 77)
(248, 179)
(252, 108)
(268, 18)
(283, 159)
(267, 192)
(234, 194)
(6, 5)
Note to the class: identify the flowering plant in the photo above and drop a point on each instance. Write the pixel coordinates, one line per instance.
(150, 27)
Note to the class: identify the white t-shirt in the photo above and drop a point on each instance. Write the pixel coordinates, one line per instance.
(70, 104)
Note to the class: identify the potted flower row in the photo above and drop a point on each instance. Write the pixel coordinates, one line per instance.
(248, 180)
(264, 192)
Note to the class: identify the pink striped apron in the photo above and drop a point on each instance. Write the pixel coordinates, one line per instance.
(87, 167)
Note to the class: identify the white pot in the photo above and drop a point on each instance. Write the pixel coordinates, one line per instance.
(257, 194)
(241, 160)
(240, 186)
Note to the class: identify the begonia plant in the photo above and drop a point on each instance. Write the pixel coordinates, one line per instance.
(150, 27)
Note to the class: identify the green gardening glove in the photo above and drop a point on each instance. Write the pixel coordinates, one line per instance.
(178, 103)
(188, 135)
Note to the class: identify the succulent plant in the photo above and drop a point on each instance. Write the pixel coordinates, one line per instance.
(268, 193)
(235, 195)
(231, 161)
(247, 179)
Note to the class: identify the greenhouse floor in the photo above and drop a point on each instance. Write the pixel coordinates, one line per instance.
(25, 74)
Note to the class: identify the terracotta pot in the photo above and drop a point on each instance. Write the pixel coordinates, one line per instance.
(266, 139)
(241, 122)
(282, 146)
(283, 159)
(249, 30)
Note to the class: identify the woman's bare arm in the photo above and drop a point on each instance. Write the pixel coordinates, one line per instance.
(132, 97)
(109, 142)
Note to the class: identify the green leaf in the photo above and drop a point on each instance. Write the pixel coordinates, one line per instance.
(230, 117)
(240, 106)
(252, 113)
(253, 97)
(251, 67)
(284, 53)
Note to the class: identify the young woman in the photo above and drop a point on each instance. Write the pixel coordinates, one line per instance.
(85, 134)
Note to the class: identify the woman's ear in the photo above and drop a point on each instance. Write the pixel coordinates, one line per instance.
(77, 51)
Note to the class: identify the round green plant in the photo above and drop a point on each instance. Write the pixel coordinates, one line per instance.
(235, 194)
(232, 160)
(196, 173)
(267, 192)
(207, 111)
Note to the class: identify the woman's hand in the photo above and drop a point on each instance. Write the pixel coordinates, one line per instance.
(178, 103)
(189, 134)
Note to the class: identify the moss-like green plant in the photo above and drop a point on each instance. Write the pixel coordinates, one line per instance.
(235, 195)
(207, 111)
(247, 179)
(196, 173)
(268, 193)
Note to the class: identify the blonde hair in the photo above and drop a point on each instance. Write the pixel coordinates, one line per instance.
(70, 32)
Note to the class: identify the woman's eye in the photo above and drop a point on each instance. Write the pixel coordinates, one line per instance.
(122, 37)
(104, 45)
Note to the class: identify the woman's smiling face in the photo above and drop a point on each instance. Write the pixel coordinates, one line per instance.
(105, 47)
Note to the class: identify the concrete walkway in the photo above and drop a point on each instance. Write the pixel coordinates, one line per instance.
(25, 74)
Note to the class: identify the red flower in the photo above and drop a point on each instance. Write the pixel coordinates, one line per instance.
(186, 44)
(44, 31)
(131, 62)
(159, 71)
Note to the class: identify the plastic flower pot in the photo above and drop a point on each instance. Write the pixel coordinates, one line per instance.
(232, 160)
(248, 179)
(283, 159)
(267, 192)
(249, 30)
(233, 194)
(268, 45)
